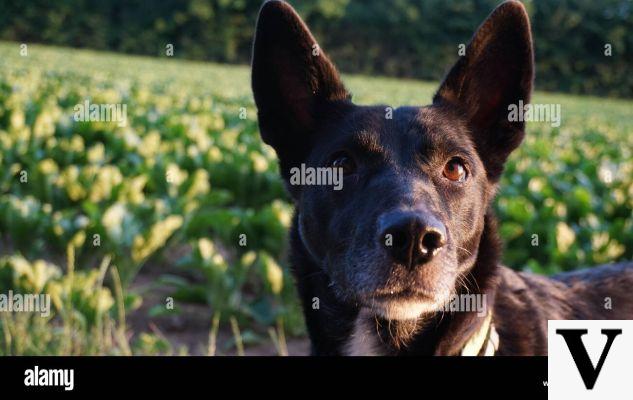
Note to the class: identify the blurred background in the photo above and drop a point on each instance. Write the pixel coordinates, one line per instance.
(167, 235)
(401, 38)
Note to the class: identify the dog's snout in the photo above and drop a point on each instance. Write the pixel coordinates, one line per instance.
(411, 238)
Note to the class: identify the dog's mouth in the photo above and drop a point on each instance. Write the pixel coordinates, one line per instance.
(402, 304)
(403, 294)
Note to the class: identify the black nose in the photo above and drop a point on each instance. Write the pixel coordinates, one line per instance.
(411, 238)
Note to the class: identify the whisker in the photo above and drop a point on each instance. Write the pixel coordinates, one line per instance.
(465, 250)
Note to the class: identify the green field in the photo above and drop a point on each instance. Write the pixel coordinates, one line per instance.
(187, 197)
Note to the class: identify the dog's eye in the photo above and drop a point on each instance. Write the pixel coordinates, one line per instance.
(344, 162)
(455, 170)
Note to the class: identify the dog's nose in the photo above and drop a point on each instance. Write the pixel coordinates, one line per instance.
(411, 238)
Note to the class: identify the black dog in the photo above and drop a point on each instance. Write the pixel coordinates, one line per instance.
(377, 261)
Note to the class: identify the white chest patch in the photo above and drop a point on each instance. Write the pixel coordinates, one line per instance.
(364, 339)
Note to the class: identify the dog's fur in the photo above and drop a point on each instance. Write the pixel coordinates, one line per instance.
(370, 302)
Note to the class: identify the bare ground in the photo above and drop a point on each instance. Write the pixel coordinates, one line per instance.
(190, 327)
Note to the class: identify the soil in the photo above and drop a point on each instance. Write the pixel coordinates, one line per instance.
(190, 327)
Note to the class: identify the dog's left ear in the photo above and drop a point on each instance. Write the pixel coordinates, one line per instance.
(497, 71)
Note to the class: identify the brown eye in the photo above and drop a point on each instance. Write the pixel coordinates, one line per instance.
(455, 170)
(344, 162)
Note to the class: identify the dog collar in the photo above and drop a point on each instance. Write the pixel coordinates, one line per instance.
(484, 342)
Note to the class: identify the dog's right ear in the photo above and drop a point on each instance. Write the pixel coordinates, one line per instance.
(293, 82)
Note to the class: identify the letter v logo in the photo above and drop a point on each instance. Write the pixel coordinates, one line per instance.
(573, 338)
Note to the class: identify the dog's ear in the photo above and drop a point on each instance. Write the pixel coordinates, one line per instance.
(293, 82)
(496, 72)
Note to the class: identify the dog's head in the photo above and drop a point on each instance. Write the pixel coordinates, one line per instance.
(401, 234)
